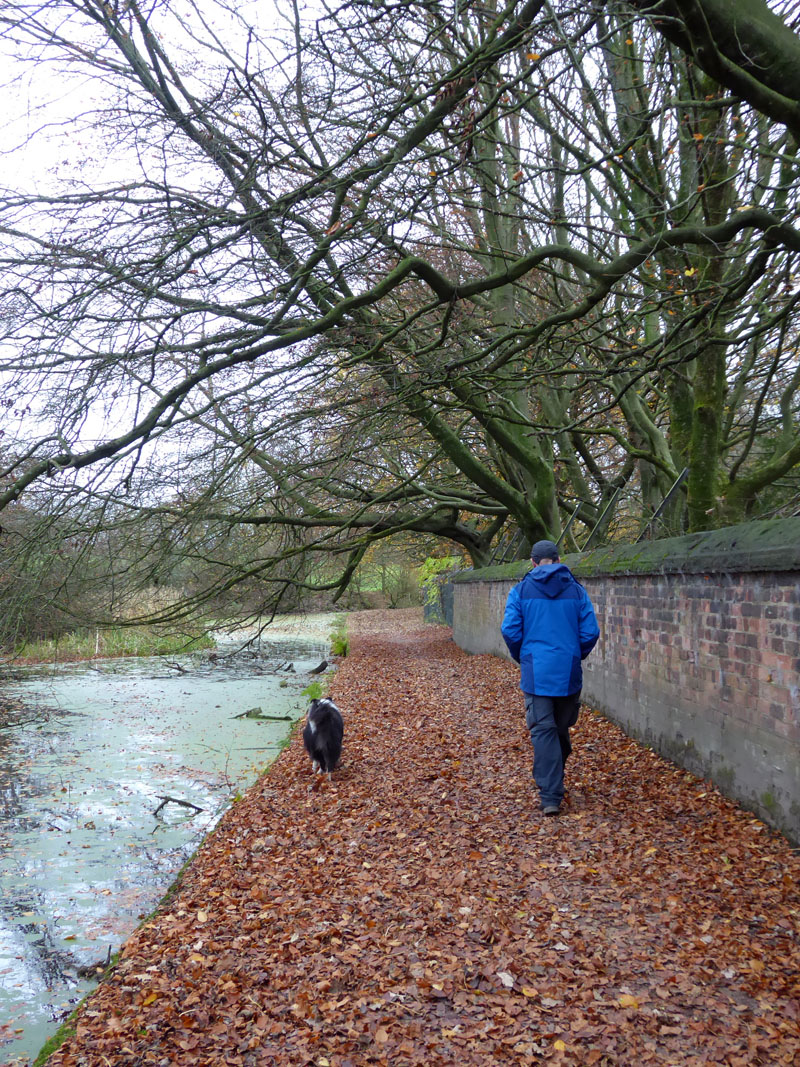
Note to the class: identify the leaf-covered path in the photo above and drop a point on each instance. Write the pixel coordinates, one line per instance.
(420, 910)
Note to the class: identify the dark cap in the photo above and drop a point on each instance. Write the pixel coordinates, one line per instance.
(544, 550)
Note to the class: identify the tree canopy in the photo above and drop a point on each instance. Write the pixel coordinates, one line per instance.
(290, 282)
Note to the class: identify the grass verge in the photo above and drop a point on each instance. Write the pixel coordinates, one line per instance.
(107, 644)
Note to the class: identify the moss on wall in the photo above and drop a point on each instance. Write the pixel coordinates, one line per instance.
(766, 545)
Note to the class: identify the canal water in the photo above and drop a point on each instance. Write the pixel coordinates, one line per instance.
(88, 752)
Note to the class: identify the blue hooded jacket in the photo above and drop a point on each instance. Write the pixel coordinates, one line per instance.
(549, 627)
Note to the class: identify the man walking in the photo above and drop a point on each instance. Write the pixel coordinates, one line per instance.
(549, 627)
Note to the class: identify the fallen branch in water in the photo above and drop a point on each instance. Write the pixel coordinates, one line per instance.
(257, 713)
(174, 800)
(94, 970)
(176, 667)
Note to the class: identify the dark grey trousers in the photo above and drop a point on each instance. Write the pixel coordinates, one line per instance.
(549, 720)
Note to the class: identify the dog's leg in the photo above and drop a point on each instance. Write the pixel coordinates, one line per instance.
(315, 767)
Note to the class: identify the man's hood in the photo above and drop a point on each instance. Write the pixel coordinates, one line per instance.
(551, 578)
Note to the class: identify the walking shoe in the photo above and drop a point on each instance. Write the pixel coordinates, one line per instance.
(551, 809)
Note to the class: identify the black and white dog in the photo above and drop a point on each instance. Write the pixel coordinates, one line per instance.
(322, 735)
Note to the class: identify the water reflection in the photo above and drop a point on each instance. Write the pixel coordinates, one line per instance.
(86, 754)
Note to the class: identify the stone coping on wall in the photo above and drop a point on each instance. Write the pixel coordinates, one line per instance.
(764, 545)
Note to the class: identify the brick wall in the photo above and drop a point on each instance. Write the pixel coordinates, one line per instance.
(701, 662)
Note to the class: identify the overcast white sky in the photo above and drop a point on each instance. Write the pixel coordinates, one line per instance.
(42, 134)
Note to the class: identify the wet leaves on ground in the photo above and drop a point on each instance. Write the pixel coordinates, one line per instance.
(420, 910)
